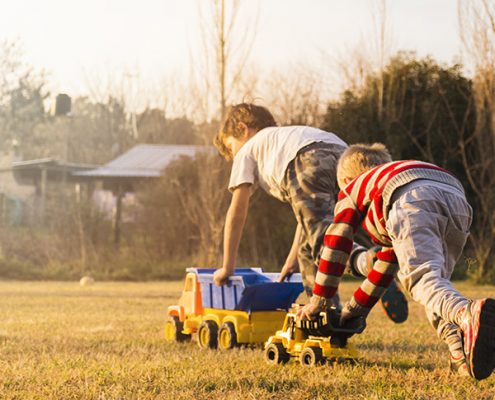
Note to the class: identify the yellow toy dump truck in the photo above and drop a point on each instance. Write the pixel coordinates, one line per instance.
(313, 342)
(245, 311)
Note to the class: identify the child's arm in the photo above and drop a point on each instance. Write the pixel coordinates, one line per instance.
(290, 266)
(234, 225)
(337, 245)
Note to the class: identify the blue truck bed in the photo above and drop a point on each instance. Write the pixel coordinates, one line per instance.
(249, 289)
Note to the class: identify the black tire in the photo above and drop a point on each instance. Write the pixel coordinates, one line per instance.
(173, 330)
(227, 336)
(208, 335)
(275, 353)
(311, 356)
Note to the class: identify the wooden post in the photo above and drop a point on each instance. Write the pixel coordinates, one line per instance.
(43, 188)
(3, 209)
(80, 226)
(117, 222)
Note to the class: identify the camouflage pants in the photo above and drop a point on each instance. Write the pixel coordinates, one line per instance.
(310, 187)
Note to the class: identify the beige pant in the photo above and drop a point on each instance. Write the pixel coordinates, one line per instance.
(428, 224)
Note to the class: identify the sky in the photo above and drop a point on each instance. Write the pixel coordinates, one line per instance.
(79, 42)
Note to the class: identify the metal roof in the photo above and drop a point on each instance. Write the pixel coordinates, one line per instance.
(28, 172)
(143, 161)
(49, 163)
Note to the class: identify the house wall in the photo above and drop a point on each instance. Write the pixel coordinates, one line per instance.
(15, 199)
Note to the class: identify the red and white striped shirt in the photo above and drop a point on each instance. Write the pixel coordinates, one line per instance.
(366, 201)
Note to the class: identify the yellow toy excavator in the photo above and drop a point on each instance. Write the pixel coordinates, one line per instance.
(313, 342)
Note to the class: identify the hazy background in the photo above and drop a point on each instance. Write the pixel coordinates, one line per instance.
(418, 76)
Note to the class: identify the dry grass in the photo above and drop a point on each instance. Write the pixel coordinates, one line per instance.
(63, 341)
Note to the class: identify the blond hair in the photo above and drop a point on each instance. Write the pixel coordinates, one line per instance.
(359, 158)
(253, 116)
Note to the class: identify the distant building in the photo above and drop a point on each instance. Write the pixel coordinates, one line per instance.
(13, 196)
(36, 177)
(140, 163)
(24, 185)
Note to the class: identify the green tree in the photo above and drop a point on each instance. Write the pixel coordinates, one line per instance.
(426, 107)
(428, 113)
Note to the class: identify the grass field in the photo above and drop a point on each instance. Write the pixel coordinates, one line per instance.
(64, 341)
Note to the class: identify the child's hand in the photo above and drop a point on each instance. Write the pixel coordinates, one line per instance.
(220, 277)
(351, 312)
(346, 314)
(287, 271)
(316, 305)
(308, 312)
(351, 320)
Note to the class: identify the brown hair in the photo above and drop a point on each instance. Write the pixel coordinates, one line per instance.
(253, 116)
(361, 157)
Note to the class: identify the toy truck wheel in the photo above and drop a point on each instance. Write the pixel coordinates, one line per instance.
(275, 353)
(227, 337)
(173, 330)
(208, 335)
(311, 356)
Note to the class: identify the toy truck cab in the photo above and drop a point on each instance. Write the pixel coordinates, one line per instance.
(189, 308)
(245, 311)
(313, 342)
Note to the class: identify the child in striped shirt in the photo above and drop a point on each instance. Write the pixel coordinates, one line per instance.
(418, 213)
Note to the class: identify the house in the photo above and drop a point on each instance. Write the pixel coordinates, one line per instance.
(24, 185)
(143, 162)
